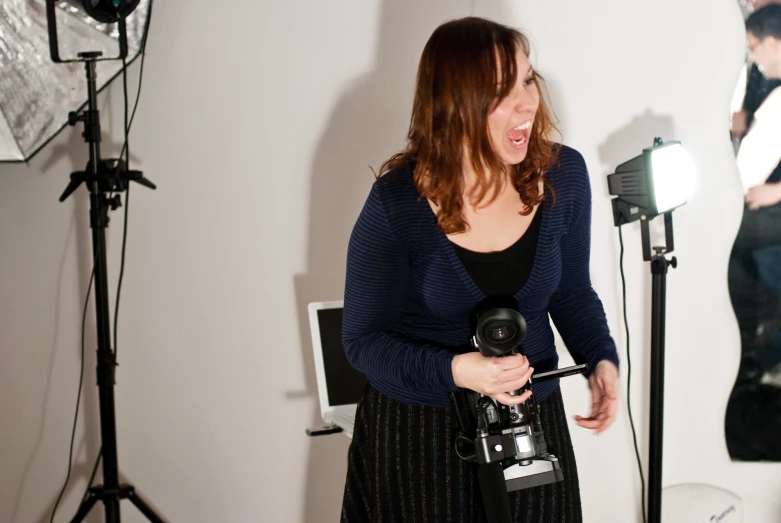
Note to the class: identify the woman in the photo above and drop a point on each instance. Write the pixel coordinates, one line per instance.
(465, 214)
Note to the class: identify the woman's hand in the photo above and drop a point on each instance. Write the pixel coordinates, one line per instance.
(763, 195)
(603, 383)
(738, 124)
(493, 377)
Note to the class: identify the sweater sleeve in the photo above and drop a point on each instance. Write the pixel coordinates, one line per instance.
(575, 308)
(378, 272)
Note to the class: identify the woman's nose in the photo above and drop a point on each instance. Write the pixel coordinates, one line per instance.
(527, 100)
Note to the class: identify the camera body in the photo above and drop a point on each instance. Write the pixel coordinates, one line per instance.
(505, 432)
(512, 435)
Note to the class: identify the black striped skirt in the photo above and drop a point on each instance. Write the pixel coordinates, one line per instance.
(402, 467)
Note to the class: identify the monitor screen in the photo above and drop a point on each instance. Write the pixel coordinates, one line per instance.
(344, 383)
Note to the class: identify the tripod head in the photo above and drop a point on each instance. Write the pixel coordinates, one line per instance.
(101, 176)
(111, 176)
(512, 435)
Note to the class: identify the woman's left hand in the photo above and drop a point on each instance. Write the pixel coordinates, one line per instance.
(603, 383)
(763, 195)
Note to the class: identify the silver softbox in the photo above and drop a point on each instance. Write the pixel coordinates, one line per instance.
(36, 94)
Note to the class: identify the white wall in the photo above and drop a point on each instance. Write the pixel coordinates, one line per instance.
(259, 124)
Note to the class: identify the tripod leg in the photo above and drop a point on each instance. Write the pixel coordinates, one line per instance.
(145, 509)
(85, 507)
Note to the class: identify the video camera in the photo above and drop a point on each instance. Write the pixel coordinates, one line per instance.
(510, 435)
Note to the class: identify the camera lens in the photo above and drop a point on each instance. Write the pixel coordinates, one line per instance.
(498, 332)
(501, 333)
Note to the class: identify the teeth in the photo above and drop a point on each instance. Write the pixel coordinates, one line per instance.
(523, 126)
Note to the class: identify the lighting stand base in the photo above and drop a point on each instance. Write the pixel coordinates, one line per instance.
(99, 493)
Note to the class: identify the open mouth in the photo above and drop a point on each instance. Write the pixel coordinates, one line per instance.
(519, 136)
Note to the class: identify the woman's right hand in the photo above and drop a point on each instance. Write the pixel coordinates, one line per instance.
(493, 377)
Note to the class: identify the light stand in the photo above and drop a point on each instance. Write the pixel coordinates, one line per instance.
(653, 183)
(659, 266)
(101, 178)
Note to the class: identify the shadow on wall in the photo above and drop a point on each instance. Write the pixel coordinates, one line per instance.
(636, 135)
(369, 122)
(23, 486)
(77, 153)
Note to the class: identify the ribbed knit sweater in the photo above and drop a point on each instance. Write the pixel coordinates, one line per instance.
(409, 300)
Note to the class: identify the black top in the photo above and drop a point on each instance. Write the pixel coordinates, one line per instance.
(503, 273)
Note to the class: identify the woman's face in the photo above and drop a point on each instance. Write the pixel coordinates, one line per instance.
(763, 53)
(510, 123)
(758, 4)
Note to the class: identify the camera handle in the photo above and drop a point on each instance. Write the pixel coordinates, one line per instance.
(558, 373)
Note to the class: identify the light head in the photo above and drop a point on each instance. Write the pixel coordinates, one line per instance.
(109, 11)
(104, 11)
(655, 182)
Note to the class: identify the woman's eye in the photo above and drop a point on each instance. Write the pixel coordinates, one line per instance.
(528, 81)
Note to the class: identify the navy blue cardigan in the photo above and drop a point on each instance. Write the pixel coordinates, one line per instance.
(409, 300)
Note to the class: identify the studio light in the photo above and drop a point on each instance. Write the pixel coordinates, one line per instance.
(104, 11)
(656, 182)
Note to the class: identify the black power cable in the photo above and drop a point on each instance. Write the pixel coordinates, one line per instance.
(78, 397)
(629, 376)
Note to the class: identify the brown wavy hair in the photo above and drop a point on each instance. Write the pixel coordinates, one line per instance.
(462, 64)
